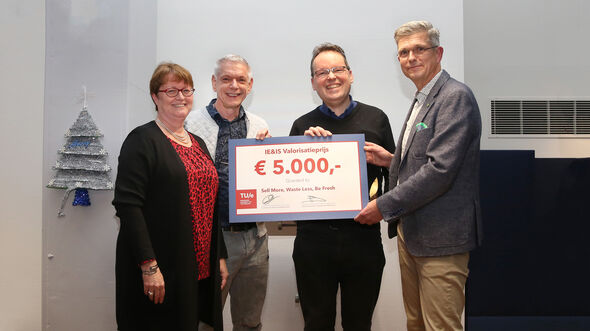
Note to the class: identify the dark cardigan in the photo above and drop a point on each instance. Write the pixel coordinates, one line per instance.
(152, 202)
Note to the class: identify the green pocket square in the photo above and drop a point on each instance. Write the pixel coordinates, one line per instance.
(421, 126)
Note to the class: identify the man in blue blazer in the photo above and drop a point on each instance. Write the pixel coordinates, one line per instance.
(433, 204)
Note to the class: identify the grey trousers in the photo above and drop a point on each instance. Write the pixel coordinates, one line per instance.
(247, 264)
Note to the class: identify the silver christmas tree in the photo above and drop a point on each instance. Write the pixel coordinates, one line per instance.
(82, 162)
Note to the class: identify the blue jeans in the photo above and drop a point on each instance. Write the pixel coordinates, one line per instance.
(247, 264)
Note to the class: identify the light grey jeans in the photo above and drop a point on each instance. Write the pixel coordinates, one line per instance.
(247, 264)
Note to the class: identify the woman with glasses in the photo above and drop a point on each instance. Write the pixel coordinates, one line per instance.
(170, 264)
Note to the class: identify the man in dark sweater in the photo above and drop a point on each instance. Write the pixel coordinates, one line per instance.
(340, 253)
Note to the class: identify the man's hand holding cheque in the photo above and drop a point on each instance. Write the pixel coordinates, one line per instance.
(378, 156)
(370, 214)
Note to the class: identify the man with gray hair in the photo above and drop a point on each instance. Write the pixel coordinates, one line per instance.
(433, 204)
(247, 243)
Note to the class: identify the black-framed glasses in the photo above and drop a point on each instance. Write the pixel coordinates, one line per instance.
(323, 73)
(172, 92)
(417, 51)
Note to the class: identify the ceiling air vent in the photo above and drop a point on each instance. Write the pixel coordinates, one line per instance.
(540, 117)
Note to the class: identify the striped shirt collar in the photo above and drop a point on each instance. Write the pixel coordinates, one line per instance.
(423, 93)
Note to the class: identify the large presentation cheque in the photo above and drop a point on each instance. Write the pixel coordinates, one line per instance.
(297, 178)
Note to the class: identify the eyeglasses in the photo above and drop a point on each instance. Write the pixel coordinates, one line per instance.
(418, 50)
(172, 92)
(338, 71)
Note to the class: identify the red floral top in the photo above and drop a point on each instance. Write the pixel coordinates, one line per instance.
(202, 185)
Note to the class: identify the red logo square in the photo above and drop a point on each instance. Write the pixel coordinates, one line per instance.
(245, 199)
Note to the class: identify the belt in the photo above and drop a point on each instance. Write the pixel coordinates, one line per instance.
(239, 227)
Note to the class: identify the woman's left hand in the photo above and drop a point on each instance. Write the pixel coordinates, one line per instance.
(153, 284)
(223, 272)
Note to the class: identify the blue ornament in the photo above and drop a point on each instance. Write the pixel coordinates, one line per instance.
(81, 197)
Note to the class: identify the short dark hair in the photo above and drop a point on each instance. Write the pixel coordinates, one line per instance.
(326, 47)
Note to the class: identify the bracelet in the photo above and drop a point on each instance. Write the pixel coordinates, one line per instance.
(151, 270)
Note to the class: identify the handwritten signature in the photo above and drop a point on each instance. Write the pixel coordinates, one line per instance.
(311, 198)
(268, 198)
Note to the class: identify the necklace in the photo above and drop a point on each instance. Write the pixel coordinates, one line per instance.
(184, 138)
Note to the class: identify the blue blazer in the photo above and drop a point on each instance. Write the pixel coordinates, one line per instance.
(437, 197)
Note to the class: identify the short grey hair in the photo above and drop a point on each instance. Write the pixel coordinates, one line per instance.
(231, 58)
(414, 27)
(327, 47)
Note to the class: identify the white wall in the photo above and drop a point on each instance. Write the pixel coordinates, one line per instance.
(528, 49)
(109, 47)
(277, 40)
(87, 46)
(22, 57)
